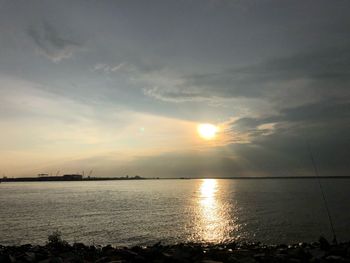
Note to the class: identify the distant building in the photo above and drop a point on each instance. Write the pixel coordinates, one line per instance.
(72, 177)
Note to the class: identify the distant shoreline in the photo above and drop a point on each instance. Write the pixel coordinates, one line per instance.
(61, 179)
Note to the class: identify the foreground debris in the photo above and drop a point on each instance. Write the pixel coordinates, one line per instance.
(58, 251)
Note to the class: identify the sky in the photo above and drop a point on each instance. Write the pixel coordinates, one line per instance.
(120, 87)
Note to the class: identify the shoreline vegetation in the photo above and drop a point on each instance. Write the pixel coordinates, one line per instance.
(77, 177)
(58, 250)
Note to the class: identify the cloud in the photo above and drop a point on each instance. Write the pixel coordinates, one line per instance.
(279, 143)
(108, 68)
(51, 43)
(326, 72)
(173, 96)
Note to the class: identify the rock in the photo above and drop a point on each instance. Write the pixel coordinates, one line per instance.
(108, 250)
(302, 244)
(220, 255)
(103, 260)
(79, 246)
(26, 247)
(338, 251)
(320, 252)
(69, 254)
(56, 260)
(4, 259)
(247, 260)
(317, 253)
(231, 245)
(30, 256)
(260, 255)
(282, 246)
(126, 254)
(242, 252)
(324, 244)
(281, 257)
(232, 259)
(333, 258)
(181, 254)
(299, 253)
(11, 258)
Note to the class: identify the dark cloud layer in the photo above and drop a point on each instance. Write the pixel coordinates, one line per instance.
(325, 71)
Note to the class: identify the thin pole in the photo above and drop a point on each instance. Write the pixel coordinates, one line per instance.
(323, 194)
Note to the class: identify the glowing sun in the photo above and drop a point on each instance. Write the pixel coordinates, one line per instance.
(207, 131)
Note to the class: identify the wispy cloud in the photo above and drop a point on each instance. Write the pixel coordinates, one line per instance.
(108, 68)
(51, 43)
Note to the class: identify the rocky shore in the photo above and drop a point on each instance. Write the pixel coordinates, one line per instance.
(59, 251)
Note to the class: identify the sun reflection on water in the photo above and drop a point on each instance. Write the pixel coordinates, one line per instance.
(213, 221)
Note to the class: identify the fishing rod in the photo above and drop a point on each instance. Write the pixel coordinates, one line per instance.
(323, 193)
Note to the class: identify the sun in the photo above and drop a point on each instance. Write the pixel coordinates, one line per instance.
(207, 131)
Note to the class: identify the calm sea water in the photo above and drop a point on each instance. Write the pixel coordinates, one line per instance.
(145, 212)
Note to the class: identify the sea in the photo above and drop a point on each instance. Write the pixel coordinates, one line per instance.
(144, 212)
